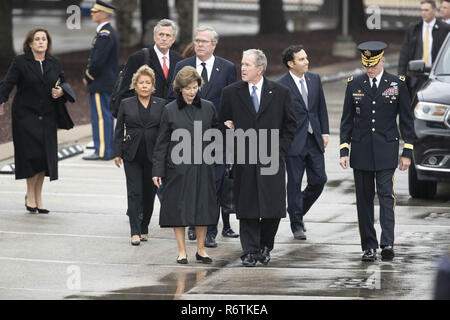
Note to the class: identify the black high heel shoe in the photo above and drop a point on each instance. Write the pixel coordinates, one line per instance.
(43, 211)
(30, 209)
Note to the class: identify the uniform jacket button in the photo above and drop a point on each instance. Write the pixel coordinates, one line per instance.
(373, 129)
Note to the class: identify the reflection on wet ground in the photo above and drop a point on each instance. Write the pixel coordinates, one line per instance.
(171, 287)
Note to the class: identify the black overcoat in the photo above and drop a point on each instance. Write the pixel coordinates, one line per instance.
(189, 194)
(34, 113)
(257, 195)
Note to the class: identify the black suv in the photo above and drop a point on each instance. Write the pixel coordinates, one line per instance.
(431, 161)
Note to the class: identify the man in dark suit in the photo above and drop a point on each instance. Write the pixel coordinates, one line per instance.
(160, 58)
(444, 11)
(100, 77)
(311, 139)
(422, 42)
(369, 125)
(217, 73)
(252, 105)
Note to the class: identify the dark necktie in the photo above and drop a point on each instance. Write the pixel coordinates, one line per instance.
(374, 86)
(204, 73)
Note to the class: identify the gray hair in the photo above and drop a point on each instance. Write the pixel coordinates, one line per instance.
(207, 28)
(166, 23)
(260, 57)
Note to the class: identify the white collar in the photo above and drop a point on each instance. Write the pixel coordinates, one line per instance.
(378, 78)
(209, 62)
(159, 53)
(101, 25)
(258, 85)
(296, 78)
(430, 24)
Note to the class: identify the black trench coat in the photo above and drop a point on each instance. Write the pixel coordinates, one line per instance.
(260, 196)
(34, 113)
(189, 194)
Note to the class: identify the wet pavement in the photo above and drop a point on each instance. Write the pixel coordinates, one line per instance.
(82, 250)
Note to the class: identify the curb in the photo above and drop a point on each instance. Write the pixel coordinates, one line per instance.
(63, 153)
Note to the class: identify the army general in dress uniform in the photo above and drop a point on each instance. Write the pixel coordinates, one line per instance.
(100, 77)
(369, 133)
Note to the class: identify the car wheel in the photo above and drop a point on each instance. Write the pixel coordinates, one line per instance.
(420, 189)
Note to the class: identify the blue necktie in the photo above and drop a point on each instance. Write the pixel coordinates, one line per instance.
(305, 99)
(255, 98)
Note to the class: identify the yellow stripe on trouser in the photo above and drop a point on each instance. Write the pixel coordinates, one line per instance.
(393, 196)
(101, 133)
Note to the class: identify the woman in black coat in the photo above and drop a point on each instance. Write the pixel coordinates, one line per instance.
(134, 138)
(37, 76)
(189, 195)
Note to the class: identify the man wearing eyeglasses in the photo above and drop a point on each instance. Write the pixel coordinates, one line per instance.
(217, 73)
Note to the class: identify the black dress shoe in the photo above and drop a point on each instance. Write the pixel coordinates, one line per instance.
(369, 255)
(210, 242)
(107, 158)
(91, 157)
(43, 211)
(30, 209)
(191, 234)
(264, 257)
(206, 260)
(229, 233)
(387, 254)
(249, 260)
(182, 261)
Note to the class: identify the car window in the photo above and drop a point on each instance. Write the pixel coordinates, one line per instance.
(443, 65)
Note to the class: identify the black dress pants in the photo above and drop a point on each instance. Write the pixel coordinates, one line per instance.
(141, 192)
(255, 234)
(312, 161)
(365, 193)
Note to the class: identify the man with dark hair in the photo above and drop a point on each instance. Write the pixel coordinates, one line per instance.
(444, 11)
(99, 78)
(311, 137)
(422, 41)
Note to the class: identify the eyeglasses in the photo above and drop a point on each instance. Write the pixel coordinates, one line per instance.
(202, 42)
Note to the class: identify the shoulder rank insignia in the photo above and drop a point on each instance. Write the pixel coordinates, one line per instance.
(350, 79)
(105, 32)
(402, 78)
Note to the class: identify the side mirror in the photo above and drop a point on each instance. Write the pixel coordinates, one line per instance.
(416, 68)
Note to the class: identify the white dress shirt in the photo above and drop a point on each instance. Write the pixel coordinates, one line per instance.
(101, 25)
(378, 79)
(161, 57)
(258, 88)
(297, 82)
(430, 30)
(209, 66)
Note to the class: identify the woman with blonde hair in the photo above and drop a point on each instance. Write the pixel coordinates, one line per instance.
(134, 139)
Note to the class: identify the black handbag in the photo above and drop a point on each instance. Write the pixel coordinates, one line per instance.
(226, 196)
(64, 121)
